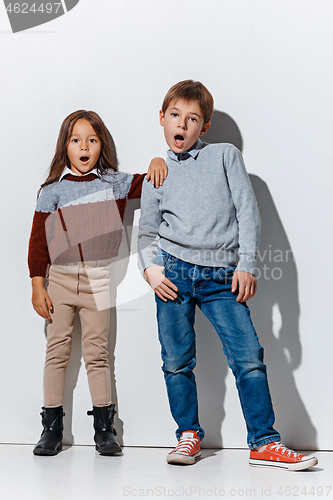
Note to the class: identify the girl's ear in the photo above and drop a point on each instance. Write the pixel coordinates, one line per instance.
(161, 118)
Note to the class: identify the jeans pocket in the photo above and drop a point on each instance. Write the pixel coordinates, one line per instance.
(169, 262)
(225, 274)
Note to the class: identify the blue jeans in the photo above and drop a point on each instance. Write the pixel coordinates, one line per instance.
(210, 289)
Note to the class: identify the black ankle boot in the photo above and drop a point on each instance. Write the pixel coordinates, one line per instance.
(105, 434)
(51, 439)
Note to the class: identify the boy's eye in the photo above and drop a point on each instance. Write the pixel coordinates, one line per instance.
(193, 119)
(174, 114)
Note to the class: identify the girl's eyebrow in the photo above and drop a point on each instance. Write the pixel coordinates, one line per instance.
(90, 135)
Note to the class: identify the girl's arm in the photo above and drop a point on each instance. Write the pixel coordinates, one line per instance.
(157, 172)
(38, 254)
(40, 298)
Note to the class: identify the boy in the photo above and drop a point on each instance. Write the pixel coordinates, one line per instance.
(191, 231)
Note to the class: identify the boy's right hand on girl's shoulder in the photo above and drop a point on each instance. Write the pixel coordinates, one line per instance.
(157, 172)
(40, 298)
(161, 285)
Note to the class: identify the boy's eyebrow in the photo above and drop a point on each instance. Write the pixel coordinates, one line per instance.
(191, 112)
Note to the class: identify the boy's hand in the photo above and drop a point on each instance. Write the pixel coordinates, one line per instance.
(157, 172)
(40, 298)
(247, 284)
(163, 287)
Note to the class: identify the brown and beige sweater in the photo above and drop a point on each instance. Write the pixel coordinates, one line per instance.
(80, 219)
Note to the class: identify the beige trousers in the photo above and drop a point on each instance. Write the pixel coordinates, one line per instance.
(85, 288)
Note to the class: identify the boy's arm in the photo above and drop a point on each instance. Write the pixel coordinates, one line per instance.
(248, 218)
(150, 220)
(149, 224)
(161, 285)
(246, 284)
(157, 172)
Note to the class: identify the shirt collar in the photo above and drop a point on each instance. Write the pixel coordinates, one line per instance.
(195, 149)
(68, 171)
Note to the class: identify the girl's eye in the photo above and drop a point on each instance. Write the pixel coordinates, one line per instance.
(75, 140)
(93, 140)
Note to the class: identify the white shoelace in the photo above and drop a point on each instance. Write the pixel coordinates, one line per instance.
(186, 445)
(277, 445)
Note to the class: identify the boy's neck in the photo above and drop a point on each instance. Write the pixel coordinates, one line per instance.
(196, 145)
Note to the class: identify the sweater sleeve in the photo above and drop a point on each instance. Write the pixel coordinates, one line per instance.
(38, 253)
(247, 212)
(136, 186)
(150, 220)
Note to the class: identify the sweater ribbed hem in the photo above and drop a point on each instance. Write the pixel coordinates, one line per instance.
(201, 256)
(38, 271)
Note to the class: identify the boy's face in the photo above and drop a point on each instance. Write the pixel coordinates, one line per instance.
(183, 123)
(84, 147)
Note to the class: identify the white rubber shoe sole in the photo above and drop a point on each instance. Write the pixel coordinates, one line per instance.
(182, 458)
(304, 464)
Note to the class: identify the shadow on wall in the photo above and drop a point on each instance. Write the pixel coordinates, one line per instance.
(117, 274)
(275, 313)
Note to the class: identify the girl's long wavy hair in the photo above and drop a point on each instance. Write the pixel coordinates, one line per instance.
(107, 159)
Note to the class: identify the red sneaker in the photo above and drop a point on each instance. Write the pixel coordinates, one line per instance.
(277, 456)
(187, 451)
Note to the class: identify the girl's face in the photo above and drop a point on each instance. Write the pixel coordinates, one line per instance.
(84, 147)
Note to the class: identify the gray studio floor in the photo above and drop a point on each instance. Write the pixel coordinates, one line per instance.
(79, 472)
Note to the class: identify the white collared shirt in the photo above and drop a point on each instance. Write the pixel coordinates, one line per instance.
(69, 171)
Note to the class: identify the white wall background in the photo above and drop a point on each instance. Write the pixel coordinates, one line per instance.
(269, 68)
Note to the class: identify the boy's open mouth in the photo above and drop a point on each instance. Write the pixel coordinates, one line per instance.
(179, 139)
(84, 158)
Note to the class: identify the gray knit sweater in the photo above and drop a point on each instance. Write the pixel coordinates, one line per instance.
(205, 213)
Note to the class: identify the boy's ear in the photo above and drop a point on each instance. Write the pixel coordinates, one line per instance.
(204, 129)
(161, 118)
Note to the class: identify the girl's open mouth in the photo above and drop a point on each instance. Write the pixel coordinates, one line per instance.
(84, 159)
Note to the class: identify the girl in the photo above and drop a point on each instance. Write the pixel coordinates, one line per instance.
(77, 229)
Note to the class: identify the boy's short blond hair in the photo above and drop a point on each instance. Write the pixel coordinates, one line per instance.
(190, 90)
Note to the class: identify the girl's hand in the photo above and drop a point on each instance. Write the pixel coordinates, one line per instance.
(161, 285)
(157, 172)
(40, 298)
